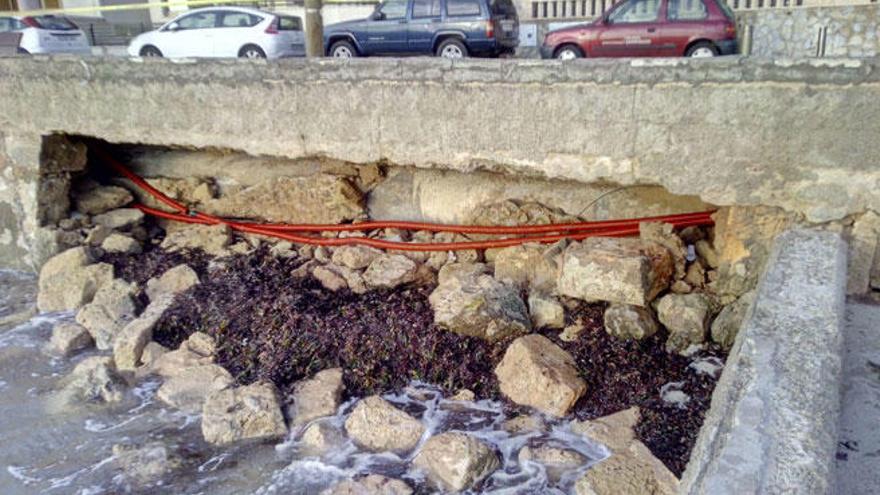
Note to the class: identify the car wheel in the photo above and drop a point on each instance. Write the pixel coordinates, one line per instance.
(251, 51)
(343, 49)
(22, 51)
(150, 51)
(452, 48)
(568, 52)
(703, 49)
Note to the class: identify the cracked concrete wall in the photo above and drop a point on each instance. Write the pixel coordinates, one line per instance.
(800, 135)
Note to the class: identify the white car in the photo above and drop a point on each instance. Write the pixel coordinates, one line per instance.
(46, 34)
(223, 32)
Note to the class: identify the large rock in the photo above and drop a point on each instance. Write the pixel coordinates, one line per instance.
(102, 199)
(243, 413)
(664, 234)
(728, 322)
(389, 271)
(628, 271)
(212, 239)
(119, 219)
(112, 308)
(376, 425)
(557, 461)
(314, 199)
(456, 461)
(355, 257)
(532, 266)
(477, 305)
(320, 438)
(94, 379)
(146, 464)
(316, 397)
(686, 316)
(615, 431)
(172, 282)
(625, 322)
(536, 372)
(129, 343)
(69, 280)
(188, 390)
(175, 362)
(373, 484)
(67, 338)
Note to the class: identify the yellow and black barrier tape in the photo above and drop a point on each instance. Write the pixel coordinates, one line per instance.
(170, 4)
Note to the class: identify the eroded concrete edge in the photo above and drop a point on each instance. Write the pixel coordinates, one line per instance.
(772, 427)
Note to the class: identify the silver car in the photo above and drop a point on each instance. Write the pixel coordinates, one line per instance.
(46, 34)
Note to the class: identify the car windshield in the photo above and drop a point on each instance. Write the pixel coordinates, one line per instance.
(503, 7)
(54, 23)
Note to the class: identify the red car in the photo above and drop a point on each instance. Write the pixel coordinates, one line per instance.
(649, 28)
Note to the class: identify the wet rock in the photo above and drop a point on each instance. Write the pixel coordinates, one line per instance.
(546, 312)
(478, 306)
(102, 199)
(119, 219)
(373, 484)
(146, 464)
(389, 271)
(463, 395)
(532, 266)
(120, 243)
(536, 372)
(319, 438)
(94, 379)
(376, 425)
(129, 344)
(172, 282)
(628, 271)
(111, 309)
(355, 257)
(243, 413)
(557, 461)
(151, 353)
(329, 278)
(523, 424)
(625, 322)
(212, 239)
(318, 396)
(456, 461)
(632, 471)
(728, 322)
(188, 390)
(686, 317)
(69, 280)
(664, 235)
(67, 338)
(174, 363)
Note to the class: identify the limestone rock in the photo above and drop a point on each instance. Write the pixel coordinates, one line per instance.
(463, 395)
(572, 332)
(67, 338)
(557, 461)
(376, 425)
(707, 253)
(633, 471)
(546, 312)
(193, 191)
(460, 271)
(212, 239)
(188, 390)
(146, 464)
(664, 235)
(119, 243)
(69, 280)
(687, 319)
(728, 322)
(456, 461)
(373, 484)
(864, 242)
(102, 199)
(110, 311)
(61, 154)
(523, 424)
(319, 438)
(129, 344)
(152, 352)
(243, 413)
(97, 235)
(318, 396)
(478, 306)
(119, 219)
(201, 344)
(536, 372)
(389, 271)
(331, 280)
(532, 266)
(93, 379)
(696, 275)
(355, 257)
(615, 431)
(174, 363)
(172, 282)
(513, 213)
(680, 287)
(622, 270)
(625, 322)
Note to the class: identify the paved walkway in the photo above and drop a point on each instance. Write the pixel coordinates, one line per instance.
(858, 457)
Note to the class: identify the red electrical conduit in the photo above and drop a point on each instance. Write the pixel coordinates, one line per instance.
(573, 231)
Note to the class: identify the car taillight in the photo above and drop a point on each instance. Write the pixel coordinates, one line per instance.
(273, 27)
(730, 30)
(490, 29)
(30, 22)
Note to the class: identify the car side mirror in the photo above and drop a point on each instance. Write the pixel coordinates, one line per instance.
(378, 16)
(173, 27)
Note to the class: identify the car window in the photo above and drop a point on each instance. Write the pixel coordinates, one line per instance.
(54, 23)
(394, 9)
(5, 24)
(201, 20)
(635, 11)
(687, 10)
(289, 23)
(462, 7)
(503, 7)
(426, 8)
(239, 19)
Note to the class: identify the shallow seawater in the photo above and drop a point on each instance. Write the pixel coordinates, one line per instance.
(47, 448)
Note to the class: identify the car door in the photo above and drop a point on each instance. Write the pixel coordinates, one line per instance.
(425, 19)
(234, 30)
(190, 36)
(387, 32)
(684, 20)
(630, 30)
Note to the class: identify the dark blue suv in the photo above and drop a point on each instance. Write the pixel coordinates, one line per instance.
(446, 28)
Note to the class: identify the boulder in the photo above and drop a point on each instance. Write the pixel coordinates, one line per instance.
(376, 425)
(477, 305)
(355, 257)
(119, 219)
(319, 438)
(622, 270)
(69, 280)
(172, 282)
(389, 271)
(454, 462)
(111, 309)
(102, 199)
(615, 431)
(633, 471)
(556, 461)
(188, 390)
(120, 243)
(212, 239)
(626, 321)
(94, 379)
(529, 266)
(146, 464)
(664, 235)
(373, 484)
(243, 413)
(536, 372)
(318, 396)
(728, 322)
(686, 316)
(67, 338)
(546, 312)
(174, 363)
(129, 344)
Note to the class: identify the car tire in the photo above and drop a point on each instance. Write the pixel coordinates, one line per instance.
(451, 48)
(568, 52)
(22, 51)
(342, 49)
(703, 49)
(251, 51)
(150, 51)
